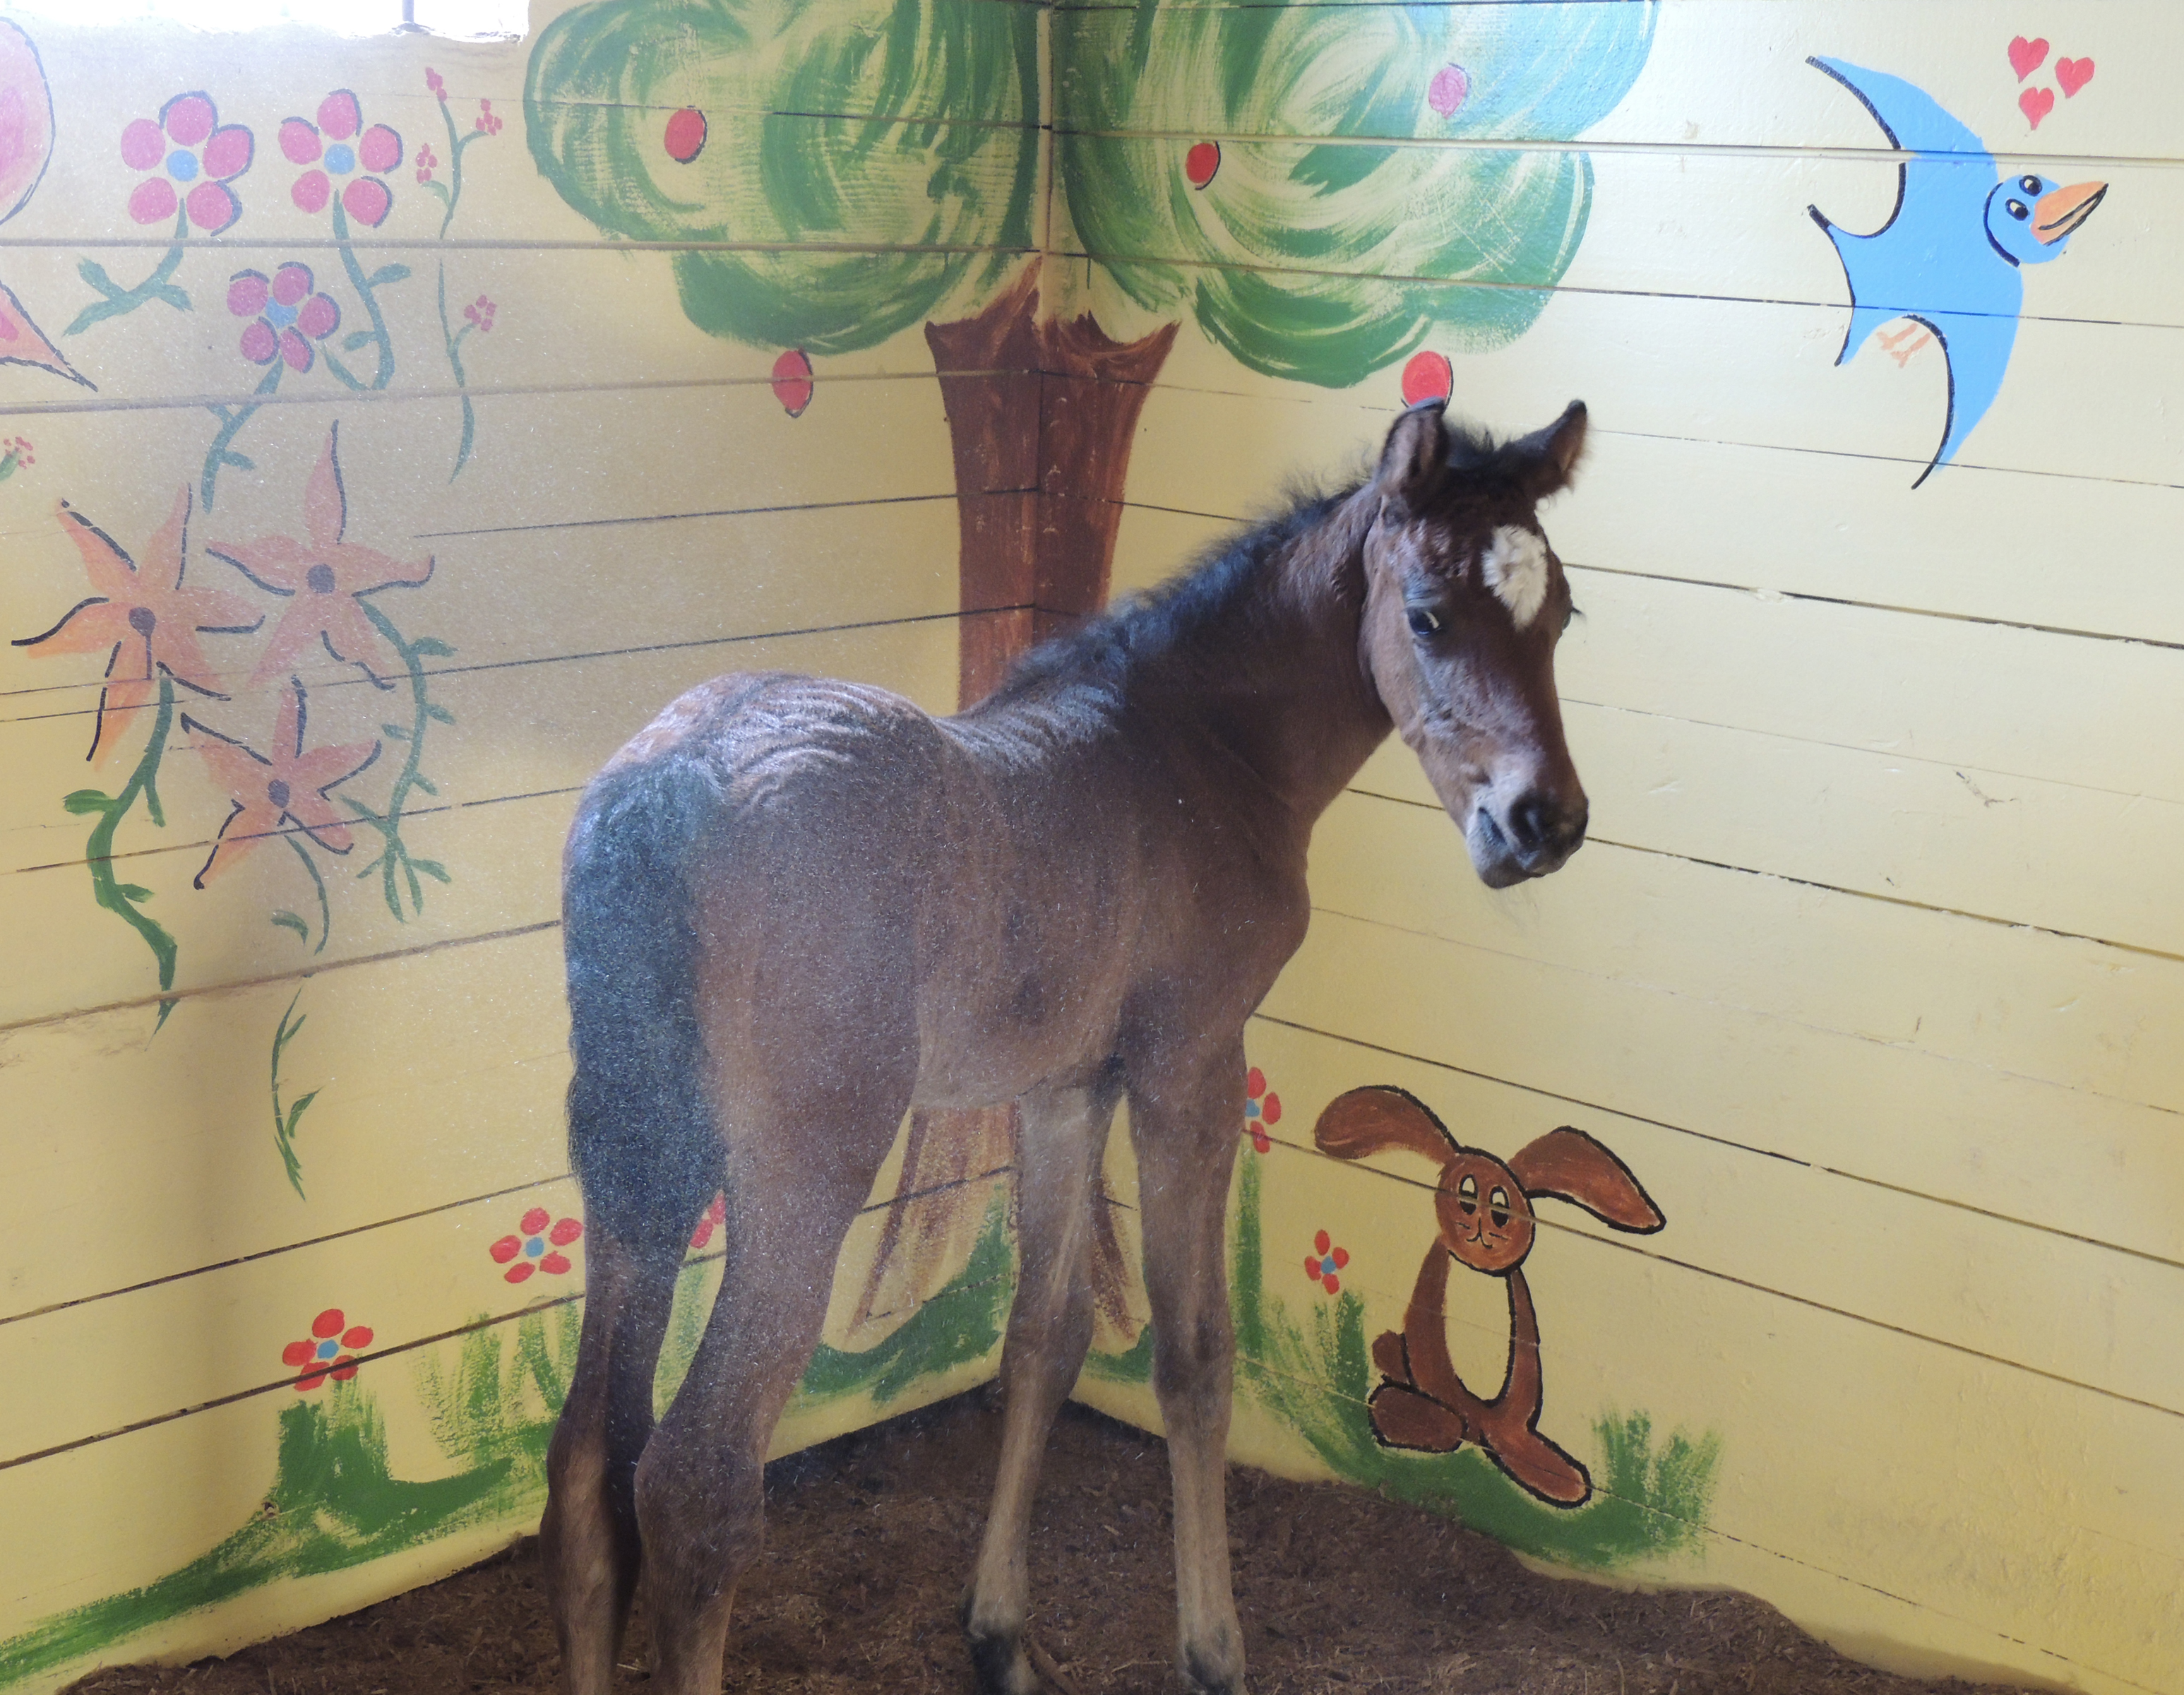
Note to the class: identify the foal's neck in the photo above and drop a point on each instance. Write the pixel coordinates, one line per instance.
(1305, 715)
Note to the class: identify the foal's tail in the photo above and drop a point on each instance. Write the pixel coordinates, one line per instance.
(642, 1137)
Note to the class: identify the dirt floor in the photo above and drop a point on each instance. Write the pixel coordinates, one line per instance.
(870, 1539)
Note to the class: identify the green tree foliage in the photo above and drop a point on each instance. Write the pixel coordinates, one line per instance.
(880, 220)
(1322, 261)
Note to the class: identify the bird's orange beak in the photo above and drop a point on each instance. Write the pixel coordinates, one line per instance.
(2058, 214)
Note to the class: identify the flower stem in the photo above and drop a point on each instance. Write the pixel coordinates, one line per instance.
(456, 143)
(286, 1122)
(232, 420)
(454, 339)
(116, 300)
(122, 899)
(396, 865)
(363, 285)
(325, 910)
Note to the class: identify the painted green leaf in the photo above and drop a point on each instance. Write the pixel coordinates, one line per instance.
(914, 196)
(431, 647)
(289, 920)
(87, 800)
(1324, 262)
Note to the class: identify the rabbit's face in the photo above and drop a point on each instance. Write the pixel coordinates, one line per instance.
(1485, 1220)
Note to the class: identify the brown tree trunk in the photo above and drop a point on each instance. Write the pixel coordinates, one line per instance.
(1041, 414)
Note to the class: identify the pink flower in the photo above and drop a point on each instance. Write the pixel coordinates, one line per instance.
(486, 120)
(715, 1219)
(335, 143)
(187, 145)
(437, 83)
(286, 315)
(427, 163)
(480, 312)
(1261, 1107)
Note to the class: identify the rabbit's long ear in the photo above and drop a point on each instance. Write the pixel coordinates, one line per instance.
(1371, 1120)
(1571, 1166)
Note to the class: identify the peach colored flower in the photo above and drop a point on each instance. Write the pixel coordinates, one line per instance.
(146, 620)
(287, 787)
(322, 578)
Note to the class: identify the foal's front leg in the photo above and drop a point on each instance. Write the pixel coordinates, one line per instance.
(1064, 1133)
(1185, 1113)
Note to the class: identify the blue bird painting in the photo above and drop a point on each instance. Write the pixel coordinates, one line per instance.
(1951, 254)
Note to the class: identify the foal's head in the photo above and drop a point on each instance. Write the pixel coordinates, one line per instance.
(1464, 602)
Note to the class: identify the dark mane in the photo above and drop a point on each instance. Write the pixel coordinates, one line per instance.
(1144, 629)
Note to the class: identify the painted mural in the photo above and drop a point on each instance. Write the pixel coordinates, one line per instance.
(318, 383)
(662, 122)
(1951, 257)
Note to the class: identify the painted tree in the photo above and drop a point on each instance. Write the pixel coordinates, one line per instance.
(1317, 259)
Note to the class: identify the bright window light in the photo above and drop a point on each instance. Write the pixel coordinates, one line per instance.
(464, 19)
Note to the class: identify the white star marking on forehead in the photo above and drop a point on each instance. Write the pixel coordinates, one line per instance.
(1516, 568)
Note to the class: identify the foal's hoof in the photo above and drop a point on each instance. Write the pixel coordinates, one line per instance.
(1002, 1667)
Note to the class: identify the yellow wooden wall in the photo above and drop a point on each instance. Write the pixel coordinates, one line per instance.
(1867, 971)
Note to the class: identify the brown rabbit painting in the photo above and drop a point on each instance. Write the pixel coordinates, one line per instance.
(1484, 1205)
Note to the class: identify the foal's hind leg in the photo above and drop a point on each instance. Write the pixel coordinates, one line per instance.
(588, 1539)
(1184, 1112)
(795, 1183)
(1064, 1133)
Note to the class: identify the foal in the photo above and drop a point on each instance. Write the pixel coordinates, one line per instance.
(796, 909)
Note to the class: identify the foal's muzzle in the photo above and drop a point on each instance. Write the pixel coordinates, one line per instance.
(1536, 835)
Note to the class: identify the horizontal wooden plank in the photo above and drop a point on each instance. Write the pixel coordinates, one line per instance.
(523, 730)
(540, 461)
(221, 1333)
(1926, 1125)
(1698, 222)
(1719, 73)
(1758, 374)
(2041, 1007)
(1957, 549)
(504, 600)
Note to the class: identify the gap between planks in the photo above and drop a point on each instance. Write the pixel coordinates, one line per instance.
(399, 1348)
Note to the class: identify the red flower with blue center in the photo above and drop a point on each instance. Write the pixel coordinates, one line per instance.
(286, 314)
(331, 1352)
(1325, 1259)
(537, 1248)
(1261, 1107)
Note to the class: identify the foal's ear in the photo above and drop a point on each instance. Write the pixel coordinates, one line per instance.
(1570, 1166)
(1372, 1120)
(1553, 453)
(1416, 455)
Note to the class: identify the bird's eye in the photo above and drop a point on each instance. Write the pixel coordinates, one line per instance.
(2031, 185)
(1424, 621)
(1466, 1194)
(2017, 211)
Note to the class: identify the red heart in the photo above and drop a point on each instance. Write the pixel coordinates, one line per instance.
(2027, 57)
(2073, 74)
(2036, 104)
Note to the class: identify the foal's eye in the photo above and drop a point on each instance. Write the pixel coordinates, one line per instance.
(1466, 1194)
(1497, 1204)
(1424, 621)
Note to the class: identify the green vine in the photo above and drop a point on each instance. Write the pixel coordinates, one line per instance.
(454, 339)
(399, 868)
(125, 899)
(367, 289)
(285, 1123)
(115, 300)
(232, 420)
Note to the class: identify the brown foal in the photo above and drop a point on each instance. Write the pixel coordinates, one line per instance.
(796, 909)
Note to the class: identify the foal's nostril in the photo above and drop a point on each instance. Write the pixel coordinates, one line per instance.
(1538, 824)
